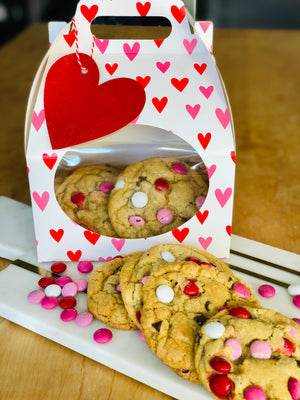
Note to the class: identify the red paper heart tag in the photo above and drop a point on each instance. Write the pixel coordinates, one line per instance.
(78, 109)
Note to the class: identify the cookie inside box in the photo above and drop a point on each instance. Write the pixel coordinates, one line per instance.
(140, 181)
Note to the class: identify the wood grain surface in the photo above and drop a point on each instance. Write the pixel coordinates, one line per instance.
(261, 73)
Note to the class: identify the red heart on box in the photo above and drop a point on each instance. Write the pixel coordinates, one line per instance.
(78, 109)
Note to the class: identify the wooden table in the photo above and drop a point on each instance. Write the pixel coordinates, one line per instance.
(261, 73)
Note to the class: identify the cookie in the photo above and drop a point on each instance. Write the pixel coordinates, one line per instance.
(84, 194)
(177, 300)
(154, 196)
(134, 272)
(250, 353)
(104, 297)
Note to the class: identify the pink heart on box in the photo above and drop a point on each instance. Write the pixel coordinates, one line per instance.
(205, 25)
(38, 119)
(205, 242)
(102, 44)
(193, 111)
(223, 117)
(223, 197)
(42, 200)
(211, 170)
(118, 243)
(206, 91)
(105, 259)
(163, 67)
(131, 52)
(190, 45)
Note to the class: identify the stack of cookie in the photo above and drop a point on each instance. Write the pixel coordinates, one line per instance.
(201, 320)
(150, 197)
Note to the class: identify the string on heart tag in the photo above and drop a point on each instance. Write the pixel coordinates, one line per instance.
(84, 70)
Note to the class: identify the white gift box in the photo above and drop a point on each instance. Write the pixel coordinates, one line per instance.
(186, 114)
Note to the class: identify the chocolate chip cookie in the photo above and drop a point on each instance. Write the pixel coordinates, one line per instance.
(104, 297)
(177, 300)
(135, 271)
(84, 194)
(154, 196)
(250, 353)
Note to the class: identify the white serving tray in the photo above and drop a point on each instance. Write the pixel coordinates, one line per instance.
(126, 353)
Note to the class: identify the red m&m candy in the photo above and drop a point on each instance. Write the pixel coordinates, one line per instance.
(77, 198)
(220, 385)
(161, 185)
(220, 365)
(239, 312)
(191, 289)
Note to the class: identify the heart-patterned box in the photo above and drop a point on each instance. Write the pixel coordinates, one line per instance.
(114, 105)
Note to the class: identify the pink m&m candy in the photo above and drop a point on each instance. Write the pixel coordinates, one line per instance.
(85, 267)
(235, 346)
(106, 187)
(81, 284)
(49, 303)
(254, 393)
(62, 280)
(296, 300)
(266, 291)
(164, 216)
(297, 320)
(103, 335)
(241, 290)
(199, 201)
(36, 296)
(135, 220)
(70, 289)
(68, 315)
(260, 349)
(179, 168)
(84, 318)
(294, 388)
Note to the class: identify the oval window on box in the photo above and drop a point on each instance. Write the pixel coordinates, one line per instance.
(139, 182)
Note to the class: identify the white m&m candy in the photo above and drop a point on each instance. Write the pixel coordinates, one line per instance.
(139, 199)
(214, 329)
(165, 293)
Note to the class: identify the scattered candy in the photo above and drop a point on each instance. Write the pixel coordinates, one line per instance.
(84, 318)
(81, 284)
(266, 291)
(67, 302)
(164, 216)
(297, 320)
(63, 280)
(191, 289)
(214, 330)
(58, 267)
(287, 349)
(236, 348)
(260, 349)
(220, 365)
(77, 198)
(49, 303)
(165, 293)
(46, 281)
(179, 168)
(220, 385)
(139, 199)
(68, 315)
(167, 256)
(294, 290)
(53, 290)
(136, 220)
(296, 300)
(239, 312)
(294, 388)
(120, 184)
(241, 290)
(254, 393)
(103, 335)
(106, 187)
(36, 296)
(161, 185)
(118, 288)
(70, 289)
(85, 267)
